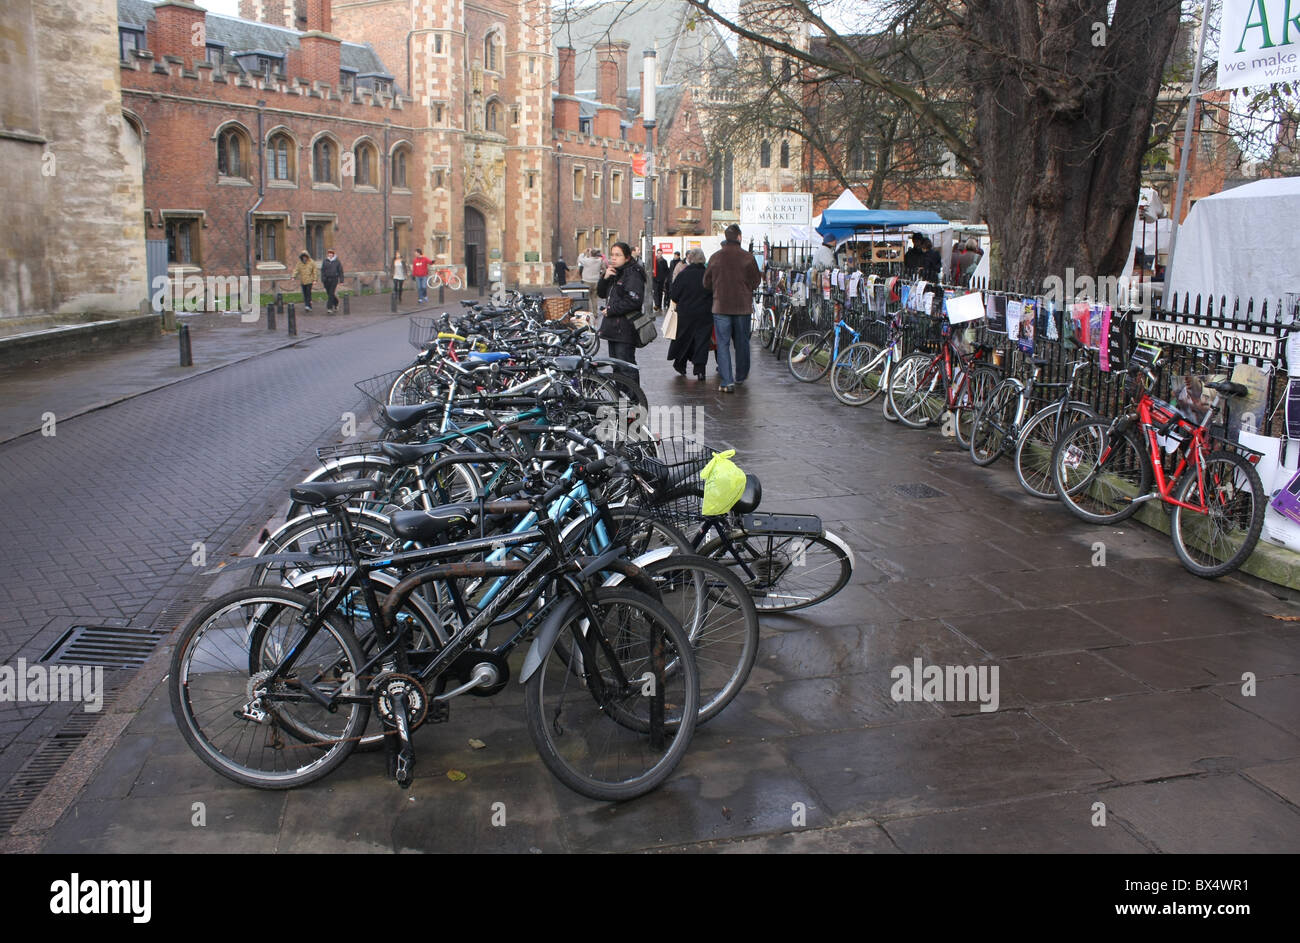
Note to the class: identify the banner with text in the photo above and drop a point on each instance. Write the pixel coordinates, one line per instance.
(773, 214)
(1259, 43)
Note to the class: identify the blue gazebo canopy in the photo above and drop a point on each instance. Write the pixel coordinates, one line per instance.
(842, 224)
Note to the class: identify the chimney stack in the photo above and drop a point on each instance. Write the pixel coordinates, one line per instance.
(567, 108)
(607, 112)
(176, 22)
(319, 50)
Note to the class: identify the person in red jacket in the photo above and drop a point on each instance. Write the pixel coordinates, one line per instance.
(732, 276)
(420, 272)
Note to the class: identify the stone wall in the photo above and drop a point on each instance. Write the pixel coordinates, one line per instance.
(73, 243)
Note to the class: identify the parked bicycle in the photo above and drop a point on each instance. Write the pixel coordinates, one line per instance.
(1103, 470)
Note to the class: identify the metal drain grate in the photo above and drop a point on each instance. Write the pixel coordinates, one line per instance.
(110, 646)
(919, 490)
(34, 775)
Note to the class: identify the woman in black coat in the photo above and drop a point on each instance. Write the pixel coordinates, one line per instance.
(623, 286)
(694, 315)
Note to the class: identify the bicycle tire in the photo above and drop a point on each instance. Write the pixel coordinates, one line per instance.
(991, 434)
(415, 385)
(980, 382)
(210, 683)
(1211, 545)
(316, 532)
(855, 375)
(766, 327)
(919, 399)
(899, 368)
(778, 572)
(809, 356)
(714, 607)
(600, 746)
(1036, 442)
(1097, 475)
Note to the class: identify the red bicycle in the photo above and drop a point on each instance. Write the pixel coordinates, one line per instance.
(952, 382)
(1103, 470)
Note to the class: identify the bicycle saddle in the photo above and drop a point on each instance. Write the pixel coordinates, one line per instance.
(319, 493)
(427, 526)
(403, 417)
(1228, 389)
(410, 454)
(750, 497)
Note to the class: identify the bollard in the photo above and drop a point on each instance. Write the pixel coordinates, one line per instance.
(392, 301)
(279, 300)
(291, 309)
(279, 307)
(347, 304)
(187, 353)
(292, 322)
(442, 293)
(270, 316)
(482, 289)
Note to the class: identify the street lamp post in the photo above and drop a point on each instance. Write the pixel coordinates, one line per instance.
(648, 81)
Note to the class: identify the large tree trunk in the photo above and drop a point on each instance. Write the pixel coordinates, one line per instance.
(1062, 122)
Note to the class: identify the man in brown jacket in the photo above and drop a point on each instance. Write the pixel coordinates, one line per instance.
(732, 276)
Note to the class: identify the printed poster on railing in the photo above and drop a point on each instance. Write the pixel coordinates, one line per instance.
(997, 313)
(1025, 336)
(1247, 413)
(963, 308)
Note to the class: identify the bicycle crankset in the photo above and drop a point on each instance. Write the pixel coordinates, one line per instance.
(387, 686)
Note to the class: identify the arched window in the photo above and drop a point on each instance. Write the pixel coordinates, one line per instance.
(232, 153)
(324, 156)
(280, 154)
(490, 52)
(365, 165)
(765, 154)
(398, 174)
(723, 180)
(493, 119)
(785, 153)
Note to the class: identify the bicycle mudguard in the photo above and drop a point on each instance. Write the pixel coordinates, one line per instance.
(546, 636)
(244, 562)
(612, 362)
(650, 556)
(781, 525)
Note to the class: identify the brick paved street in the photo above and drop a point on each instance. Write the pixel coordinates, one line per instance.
(1120, 684)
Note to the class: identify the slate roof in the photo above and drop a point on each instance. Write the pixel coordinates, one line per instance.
(241, 36)
(662, 25)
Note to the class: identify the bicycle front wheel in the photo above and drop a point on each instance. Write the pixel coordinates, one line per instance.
(809, 356)
(1097, 474)
(855, 375)
(979, 385)
(1220, 540)
(614, 724)
(1037, 441)
(716, 610)
(766, 327)
(785, 573)
(918, 397)
(991, 435)
(237, 721)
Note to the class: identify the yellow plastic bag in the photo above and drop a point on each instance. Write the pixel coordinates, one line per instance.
(724, 483)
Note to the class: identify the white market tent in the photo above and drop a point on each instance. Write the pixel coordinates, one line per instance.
(1242, 243)
(845, 201)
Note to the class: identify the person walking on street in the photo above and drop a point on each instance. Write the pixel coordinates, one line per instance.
(694, 315)
(589, 269)
(561, 272)
(331, 273)
(306, 273)
(399, 275)
(673, 265)
(623, 287)
(732, 275)
(661, 281)
(420, 272)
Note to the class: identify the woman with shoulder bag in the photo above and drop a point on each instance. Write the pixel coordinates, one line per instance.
(623, 288)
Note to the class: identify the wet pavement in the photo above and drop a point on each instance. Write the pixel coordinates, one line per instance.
(1139, 709)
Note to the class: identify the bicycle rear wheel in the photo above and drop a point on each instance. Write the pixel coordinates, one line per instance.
(918, 398)
(1037, 441)
(235, 721)
(855, 375)
(785, 572)
(979, 385)
(766, 327)
(1098, 474)
(1218, 542)
(809, 356)
(593, 719)
(716, 610)
(991, 435)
